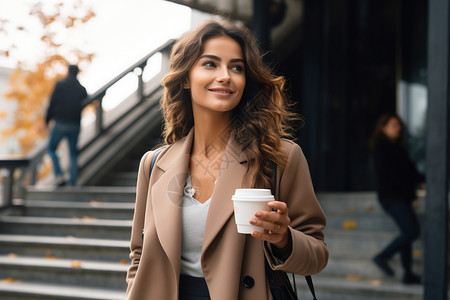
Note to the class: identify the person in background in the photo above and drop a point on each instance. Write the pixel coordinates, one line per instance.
(224, 116)
(65, 110)
(397, 180)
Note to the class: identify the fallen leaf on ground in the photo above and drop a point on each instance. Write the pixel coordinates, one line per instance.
(88, 219)
(368, 208)
(349, 224)
(354, 277)
(350, 209)
(9, 280)
(49, 255)
(75, 264)
(376, 283)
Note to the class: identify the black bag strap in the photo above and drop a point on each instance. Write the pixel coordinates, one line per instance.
(152, 164)
(308, 278)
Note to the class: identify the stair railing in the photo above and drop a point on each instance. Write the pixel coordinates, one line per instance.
(29, 165)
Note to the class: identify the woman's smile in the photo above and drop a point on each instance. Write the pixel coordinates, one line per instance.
(221, 91)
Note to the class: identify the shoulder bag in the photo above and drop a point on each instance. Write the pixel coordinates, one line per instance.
(279, 282)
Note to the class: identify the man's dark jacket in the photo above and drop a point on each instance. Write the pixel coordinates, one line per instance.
(65, 102)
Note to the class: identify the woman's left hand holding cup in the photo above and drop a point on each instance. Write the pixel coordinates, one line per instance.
(274, 222)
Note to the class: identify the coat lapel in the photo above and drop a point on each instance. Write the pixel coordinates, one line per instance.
(221, 209)
(167, 199)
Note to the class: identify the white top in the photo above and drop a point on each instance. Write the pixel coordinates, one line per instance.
(194, 216)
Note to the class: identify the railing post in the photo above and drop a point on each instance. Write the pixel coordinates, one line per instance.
(99, 115)
(34, 174)
(8, 187)
(165, 56)
(140, 89)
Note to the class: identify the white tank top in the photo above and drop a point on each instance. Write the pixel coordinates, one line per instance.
(194, 216)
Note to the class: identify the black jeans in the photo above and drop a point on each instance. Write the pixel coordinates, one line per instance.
(193, 288)
(406, 219)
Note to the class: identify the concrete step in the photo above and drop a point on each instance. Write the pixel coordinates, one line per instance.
(20, 290)
(62, 271)
(356, 202)
(121, 179)
(360, 211)
(365, 269)
(83, 193)
(82, 228)
(71, 209)
(367, 221)
(64, 247)
(361, 244)
(335, 288)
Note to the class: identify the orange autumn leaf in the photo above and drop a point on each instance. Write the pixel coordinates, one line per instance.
(48, 255)
(10, 280)
(376, 283)
(353, 277)
(349, 224)
(417, 253)
(75, 264)
(350, 209)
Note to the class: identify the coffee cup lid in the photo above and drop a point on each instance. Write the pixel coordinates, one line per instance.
(252, 194)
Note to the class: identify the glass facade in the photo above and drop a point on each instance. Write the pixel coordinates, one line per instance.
(357, 59)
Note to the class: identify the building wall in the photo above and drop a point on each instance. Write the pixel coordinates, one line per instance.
(343, 76)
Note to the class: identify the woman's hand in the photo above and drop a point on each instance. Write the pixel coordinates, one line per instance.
(274, 222)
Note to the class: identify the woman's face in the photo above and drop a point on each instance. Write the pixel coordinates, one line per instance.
(392, 129)
(217, 79)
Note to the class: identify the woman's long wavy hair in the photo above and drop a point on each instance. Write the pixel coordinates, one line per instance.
(379, 134)
(260, 118)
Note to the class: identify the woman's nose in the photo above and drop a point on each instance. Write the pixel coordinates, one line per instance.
(224, 75)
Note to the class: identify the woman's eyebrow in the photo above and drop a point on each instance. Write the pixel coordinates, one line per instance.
(210, 56)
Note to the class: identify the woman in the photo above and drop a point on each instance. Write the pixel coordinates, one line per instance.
(397, 178)
(224, 113)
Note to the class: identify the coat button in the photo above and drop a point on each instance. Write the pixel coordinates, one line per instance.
(248, 282)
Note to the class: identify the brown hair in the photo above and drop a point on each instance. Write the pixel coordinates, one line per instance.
(260, 118)
(381, 123)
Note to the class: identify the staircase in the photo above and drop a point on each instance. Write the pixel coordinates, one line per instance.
(69, 243)
(72, 243)
(356, 229)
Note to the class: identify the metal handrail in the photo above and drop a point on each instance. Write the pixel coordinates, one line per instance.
(30, 163)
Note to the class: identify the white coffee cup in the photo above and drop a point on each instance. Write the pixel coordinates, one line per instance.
(246, 202)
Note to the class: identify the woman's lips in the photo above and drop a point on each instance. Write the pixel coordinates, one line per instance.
(221, 91)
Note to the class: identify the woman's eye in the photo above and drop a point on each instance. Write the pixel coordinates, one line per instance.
(209, 64)
(238, 68)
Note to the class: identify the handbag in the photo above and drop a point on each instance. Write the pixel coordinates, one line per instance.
(279, 283)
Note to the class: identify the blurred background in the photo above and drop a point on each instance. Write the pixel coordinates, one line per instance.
(346, 62)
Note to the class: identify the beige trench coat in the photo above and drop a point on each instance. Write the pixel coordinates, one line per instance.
(227, 256)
